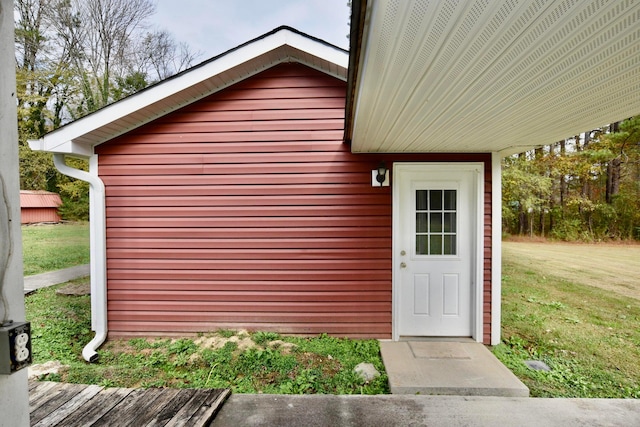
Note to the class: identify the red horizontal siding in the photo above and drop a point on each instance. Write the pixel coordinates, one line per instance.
(246, 209)
(488, 251)
(223, 296)
(222, 147)
(139, 272)
(271, 222)
(309, 244)
(295, 285)
(295, 190)
(178, 328)
(334, 200)
(253, 179)
(247, 254)
(248, 232)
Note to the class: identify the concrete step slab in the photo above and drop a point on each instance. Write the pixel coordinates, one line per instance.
(447, 368)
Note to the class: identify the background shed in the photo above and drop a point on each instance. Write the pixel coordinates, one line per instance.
(39, 206)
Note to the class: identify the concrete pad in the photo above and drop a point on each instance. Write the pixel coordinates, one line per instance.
(403, 410)
(37, 281)
(447, 368)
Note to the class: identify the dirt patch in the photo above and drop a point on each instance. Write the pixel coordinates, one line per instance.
(284, 347)
(612, 267)
(75, 289)
(215, 342)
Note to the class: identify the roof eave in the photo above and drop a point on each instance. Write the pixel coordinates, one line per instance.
(358, 14)
(284, 44)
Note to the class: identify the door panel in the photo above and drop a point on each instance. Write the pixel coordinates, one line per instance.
(435, 235)
(421, 294)
(451, 291)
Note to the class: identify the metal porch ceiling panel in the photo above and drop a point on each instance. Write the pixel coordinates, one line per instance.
(493, 76)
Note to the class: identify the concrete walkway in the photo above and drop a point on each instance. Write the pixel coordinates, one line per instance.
(447, 367)
(402, 410)
(37, 281)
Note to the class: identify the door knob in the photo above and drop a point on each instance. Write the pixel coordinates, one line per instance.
(403, 265)
(403, 253)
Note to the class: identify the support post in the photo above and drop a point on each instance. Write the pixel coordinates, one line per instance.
(14, 396)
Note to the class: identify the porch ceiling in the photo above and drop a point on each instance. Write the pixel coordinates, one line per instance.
(489, 76)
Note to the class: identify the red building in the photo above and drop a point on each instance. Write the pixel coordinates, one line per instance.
(232, 200)
(246, 209)
(39, 206)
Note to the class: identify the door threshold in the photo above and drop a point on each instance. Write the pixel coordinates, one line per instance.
(437, 339)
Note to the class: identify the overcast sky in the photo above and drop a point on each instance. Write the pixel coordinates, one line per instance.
(215, 26)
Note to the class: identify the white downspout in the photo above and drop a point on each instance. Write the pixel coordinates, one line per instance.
(98, 250)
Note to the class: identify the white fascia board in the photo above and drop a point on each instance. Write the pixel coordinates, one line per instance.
(323, 51)
(63, 139)
(67, 147)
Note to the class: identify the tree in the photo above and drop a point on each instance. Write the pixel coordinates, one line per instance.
(525, 192)
(74, 57)
(595, 191)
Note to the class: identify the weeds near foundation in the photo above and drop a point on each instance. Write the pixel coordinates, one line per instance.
(259, 362)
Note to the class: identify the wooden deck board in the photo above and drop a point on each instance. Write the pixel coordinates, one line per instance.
(172, 407)
(69, 405)
(94, 409)
(54, 399)
(200, 409)
(39, 395)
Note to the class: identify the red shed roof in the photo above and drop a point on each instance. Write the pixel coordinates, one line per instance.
(39, 199)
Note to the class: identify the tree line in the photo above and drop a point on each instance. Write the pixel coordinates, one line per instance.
(583, 188)
(74, 57)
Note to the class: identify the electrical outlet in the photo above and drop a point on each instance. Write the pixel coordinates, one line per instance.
(15, 347)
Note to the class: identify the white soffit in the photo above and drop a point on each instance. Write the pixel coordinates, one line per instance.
(493, 76)
(282, 45)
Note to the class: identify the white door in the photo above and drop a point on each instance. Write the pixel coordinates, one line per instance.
(434, 250)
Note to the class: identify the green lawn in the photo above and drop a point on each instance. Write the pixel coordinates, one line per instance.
(589, 336)
(53, 247)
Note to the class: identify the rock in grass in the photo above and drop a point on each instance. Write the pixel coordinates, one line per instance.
(366, 371)
(537, 365)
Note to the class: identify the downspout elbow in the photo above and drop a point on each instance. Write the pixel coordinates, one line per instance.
(98, 254)
(89, 352)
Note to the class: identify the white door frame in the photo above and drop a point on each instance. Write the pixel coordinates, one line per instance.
(477, 261)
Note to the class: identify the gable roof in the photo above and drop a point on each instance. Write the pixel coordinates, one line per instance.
(284, 44)
(488, 76)
(39, 199)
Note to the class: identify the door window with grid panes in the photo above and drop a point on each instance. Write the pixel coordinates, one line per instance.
(436, 222)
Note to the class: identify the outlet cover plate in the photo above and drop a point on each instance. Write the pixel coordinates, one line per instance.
(15, 348)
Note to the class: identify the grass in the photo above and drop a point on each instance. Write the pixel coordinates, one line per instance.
(578, 317)
(53, 247)
(590, 337)
(258, 362)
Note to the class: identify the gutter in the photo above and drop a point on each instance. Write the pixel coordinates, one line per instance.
(98, 250)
